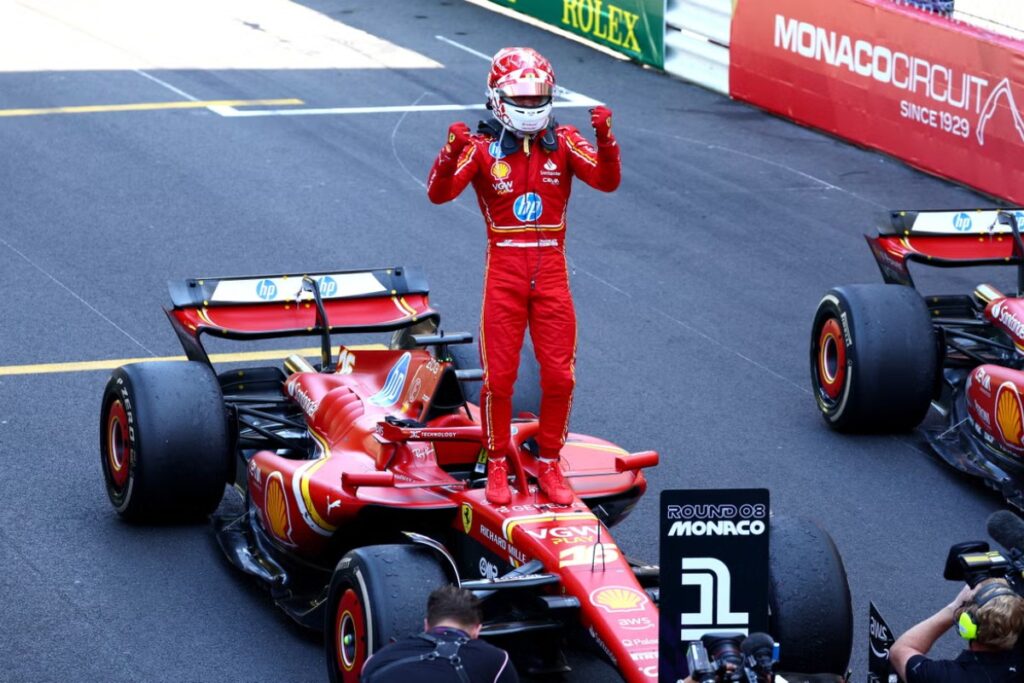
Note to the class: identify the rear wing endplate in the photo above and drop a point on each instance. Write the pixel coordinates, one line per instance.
(948, 239)
(262, 307)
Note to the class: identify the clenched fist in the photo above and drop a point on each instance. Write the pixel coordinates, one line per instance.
(601, 120)
(458, 138)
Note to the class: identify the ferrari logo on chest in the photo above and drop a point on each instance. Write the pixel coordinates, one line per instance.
(467, 517)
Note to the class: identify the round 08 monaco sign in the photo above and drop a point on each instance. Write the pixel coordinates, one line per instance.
(714, 569)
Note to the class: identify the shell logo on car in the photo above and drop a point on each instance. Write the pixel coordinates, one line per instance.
(618, 599)
(1008, 414)
(277, 508)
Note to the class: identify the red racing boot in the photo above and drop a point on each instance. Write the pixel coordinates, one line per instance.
(497, 491)
(552, 483)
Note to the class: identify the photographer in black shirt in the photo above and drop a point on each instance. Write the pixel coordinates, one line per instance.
(447, 652)
(988, 617)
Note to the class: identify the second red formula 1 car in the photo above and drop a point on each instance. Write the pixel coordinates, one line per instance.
(884, 357)
(360, 484)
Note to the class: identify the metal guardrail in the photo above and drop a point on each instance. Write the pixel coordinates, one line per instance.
(697, 41)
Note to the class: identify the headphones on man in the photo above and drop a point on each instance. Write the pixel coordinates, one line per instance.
(967, 623)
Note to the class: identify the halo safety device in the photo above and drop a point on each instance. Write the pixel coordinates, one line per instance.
(967, 622)
(519, 89)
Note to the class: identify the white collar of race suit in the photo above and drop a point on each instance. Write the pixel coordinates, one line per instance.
(510, 139)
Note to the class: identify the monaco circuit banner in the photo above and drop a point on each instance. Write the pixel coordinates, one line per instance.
(940, 95)
(633, 27)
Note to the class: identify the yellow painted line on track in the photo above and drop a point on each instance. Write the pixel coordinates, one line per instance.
(148, 106)
(92, 365)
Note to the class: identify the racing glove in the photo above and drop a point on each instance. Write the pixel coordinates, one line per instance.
(458, 138)
(601, 120)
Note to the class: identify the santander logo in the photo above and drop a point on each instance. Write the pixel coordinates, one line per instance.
(1001, 313)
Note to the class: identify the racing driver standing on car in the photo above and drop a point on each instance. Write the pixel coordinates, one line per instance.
(521, 164)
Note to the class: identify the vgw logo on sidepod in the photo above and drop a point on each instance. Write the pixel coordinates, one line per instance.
(392, 389)
(528, 207)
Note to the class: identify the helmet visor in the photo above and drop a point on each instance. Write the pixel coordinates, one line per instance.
(524, 88)
(527, 101)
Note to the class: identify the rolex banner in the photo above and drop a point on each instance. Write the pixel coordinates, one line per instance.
(714, 569)
(635, 28)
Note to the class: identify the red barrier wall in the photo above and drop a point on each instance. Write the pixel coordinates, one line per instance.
(941, 96)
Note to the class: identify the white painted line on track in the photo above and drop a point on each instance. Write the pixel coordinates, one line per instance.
(75, 295)
(464, 48)
(569, 98)
(165, 84)
(576, 100)
(570, 95)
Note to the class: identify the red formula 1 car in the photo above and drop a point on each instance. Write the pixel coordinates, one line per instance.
(361, 484)
(883, 355)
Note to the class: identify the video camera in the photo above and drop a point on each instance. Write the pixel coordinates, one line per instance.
(973, 561)
(728, 657)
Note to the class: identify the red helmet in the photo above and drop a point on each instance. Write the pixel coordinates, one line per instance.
(519, 89)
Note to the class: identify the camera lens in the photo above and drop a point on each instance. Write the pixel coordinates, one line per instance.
(724, 649)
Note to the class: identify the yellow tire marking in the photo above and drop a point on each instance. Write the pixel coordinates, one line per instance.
(147, 106)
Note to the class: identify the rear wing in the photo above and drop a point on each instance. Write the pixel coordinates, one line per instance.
(947, 239)
(262, 307)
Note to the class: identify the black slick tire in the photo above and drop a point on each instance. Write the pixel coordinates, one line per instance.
(809, 598)
(873, 358)
(377, 594)
(164, 444)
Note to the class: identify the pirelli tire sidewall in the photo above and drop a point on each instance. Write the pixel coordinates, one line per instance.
(882, 375)
(811, 615)
(170, 419)
(377, 593)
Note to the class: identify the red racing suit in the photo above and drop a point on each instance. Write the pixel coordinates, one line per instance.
(523, 186)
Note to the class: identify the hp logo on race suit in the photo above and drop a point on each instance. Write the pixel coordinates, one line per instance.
(494, 149)
(328, 286)
(528, 207)
(714, 581)
(962, 222)
(266, 290)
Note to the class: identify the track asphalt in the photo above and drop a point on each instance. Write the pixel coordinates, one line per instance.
(695, 284)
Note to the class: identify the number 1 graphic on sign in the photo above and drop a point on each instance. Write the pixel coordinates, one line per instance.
(713, 579)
